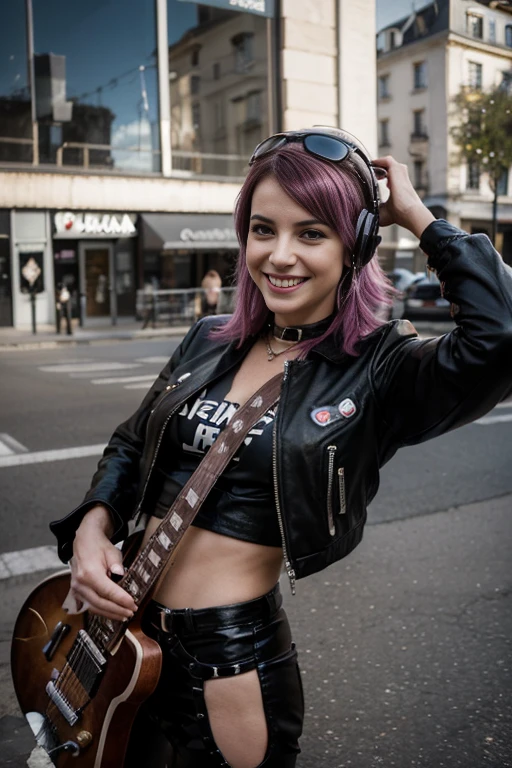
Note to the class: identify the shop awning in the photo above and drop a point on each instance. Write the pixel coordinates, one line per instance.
(189, 231)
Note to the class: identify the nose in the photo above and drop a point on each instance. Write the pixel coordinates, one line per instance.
(282, 255)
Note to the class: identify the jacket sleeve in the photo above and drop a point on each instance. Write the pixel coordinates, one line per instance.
(427, 387)
(116, 480)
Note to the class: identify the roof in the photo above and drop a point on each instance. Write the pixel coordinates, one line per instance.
(425, 22)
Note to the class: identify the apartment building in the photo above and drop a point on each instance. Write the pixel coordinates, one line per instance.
(423, 61)
(126, 126)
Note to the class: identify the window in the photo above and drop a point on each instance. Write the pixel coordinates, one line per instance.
(194, 59)
(475, 25)
(244, 56)
(384, 133)
(15, 108)
(232, 63)
(196, 116)
(508, 35)
(503, 182)
(384, 87)
(254, 106)
(419, 128)
(492, 30)
(473, 175)
(104, 97)
(419, 167)
(219, 115)
(392, 39)
(474, 75)
(420, 74)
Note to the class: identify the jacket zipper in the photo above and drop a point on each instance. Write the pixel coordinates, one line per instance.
(331, 449)
(160, 437)
(341, 485)
(289, 570)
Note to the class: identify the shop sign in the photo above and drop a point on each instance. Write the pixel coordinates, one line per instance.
(259, 7)
(208, 235)
(69, 224)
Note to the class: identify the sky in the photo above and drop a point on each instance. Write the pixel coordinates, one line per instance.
(392, 10)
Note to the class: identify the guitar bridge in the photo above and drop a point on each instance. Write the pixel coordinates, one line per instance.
(56, 697)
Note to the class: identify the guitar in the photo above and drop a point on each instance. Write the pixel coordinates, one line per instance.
(81, 679)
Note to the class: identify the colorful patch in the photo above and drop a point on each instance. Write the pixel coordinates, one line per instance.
(347, 408)
(322, 416)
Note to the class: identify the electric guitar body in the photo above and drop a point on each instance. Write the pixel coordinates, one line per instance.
(79, 698)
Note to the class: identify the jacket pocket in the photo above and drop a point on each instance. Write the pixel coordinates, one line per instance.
(342, 491)
(331, 455)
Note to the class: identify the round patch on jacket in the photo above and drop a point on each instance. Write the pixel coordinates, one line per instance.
(347, 408)
(321, 416)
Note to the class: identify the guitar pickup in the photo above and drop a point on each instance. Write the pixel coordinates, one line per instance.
(58, 634)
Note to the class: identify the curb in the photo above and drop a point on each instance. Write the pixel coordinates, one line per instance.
(99, 338)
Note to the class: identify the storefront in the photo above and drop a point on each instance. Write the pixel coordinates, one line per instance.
(179, 248)
(94, 257)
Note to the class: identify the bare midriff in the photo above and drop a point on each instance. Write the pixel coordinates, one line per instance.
(209, 569)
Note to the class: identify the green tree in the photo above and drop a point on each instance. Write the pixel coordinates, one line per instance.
(482, 133)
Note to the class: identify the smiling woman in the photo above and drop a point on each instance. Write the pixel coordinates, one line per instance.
(352, 390)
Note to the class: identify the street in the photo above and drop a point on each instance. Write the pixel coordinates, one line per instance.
(404, 646)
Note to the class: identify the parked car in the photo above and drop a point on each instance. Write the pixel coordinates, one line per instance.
(400, 279)
(423, 300)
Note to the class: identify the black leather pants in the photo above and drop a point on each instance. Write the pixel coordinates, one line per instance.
(200, 645)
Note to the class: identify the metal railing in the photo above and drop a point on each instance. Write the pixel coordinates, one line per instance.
(181, 306)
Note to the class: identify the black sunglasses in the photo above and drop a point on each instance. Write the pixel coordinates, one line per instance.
(321, 145)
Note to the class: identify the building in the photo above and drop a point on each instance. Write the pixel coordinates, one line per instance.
(423, 61)
(126, 126)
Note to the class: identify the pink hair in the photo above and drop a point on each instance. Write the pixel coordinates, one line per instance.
(332, 193)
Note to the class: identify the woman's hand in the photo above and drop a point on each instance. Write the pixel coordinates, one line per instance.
(403, 206)
(94, 559)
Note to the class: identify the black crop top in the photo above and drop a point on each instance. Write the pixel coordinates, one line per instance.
(241, 503)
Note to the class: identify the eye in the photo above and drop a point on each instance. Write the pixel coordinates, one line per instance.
(312, 234)
(261, 229)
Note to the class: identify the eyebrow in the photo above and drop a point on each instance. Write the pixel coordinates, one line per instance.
(305, 223)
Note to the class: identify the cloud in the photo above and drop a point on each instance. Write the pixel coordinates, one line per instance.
(128, 138)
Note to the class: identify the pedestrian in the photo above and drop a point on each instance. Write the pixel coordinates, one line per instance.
(211, 285)
(309, 303)
(63, 307)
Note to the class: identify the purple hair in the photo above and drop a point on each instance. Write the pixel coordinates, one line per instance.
(332, 193)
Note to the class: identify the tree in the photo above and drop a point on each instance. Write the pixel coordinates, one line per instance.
(483, 134)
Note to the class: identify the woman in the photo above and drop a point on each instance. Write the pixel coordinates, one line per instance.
(355, 390)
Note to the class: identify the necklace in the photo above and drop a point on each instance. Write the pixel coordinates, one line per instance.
(272, 353)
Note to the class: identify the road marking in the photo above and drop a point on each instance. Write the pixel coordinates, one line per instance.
(494, 419)
(125, 379)
(137, 386)
(87, 367)
(506, 404)
(39, 457)
(8, 445)
(29, 561)
(152, 360)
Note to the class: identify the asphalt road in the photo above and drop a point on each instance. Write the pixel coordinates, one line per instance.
(404, 647)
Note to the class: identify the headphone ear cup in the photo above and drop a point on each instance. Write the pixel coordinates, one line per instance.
(366, 238)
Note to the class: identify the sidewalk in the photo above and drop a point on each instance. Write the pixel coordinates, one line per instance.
(46, 337)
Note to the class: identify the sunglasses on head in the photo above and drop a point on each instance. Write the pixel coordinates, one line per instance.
(322, 145)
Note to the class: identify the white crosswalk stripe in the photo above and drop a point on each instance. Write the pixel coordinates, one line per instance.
(100, 373)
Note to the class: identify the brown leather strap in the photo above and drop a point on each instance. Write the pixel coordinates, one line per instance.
(151, 562)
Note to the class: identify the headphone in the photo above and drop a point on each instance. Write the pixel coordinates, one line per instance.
(367, 227)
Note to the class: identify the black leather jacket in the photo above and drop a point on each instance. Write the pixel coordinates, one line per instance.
(399, 391)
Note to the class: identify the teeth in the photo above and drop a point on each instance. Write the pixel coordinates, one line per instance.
(285, 283)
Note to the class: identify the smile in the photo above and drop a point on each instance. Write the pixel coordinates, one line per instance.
(291, 282)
